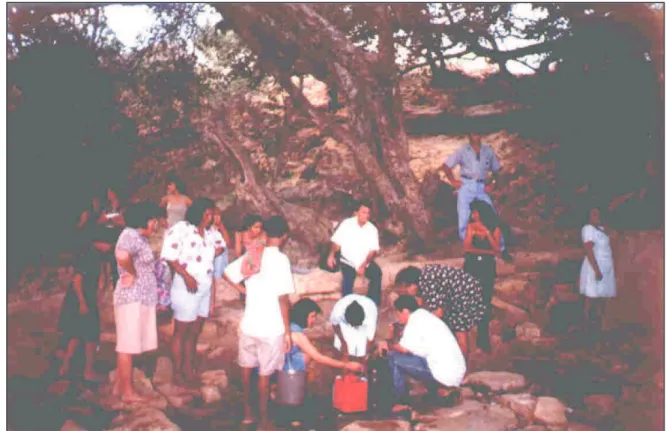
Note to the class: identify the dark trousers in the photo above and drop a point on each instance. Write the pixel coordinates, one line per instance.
(483, 268)
(372, 273)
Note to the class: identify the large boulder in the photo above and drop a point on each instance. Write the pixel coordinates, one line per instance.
(143, 419)
(387, 425)
(176, 396)
(471, 415)
(552, 413)
(528, 331)
(216, 378)
(497, 381)
(522, 405)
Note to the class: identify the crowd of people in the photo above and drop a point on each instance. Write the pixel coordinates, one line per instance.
(443, 313)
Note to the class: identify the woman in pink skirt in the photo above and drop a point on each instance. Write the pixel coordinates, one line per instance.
(135, 297)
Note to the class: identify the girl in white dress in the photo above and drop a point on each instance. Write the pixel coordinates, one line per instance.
(597, 275)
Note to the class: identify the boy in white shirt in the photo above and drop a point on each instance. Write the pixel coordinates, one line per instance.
(265, 336)
(357, 239)
(354, 320)
(428, 351)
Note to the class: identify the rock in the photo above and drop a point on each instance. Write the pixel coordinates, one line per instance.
(600, 405)
(176, 396)
(522, 405)
(143, 419)
(514, 314)
(551, 412)
(467, 393)
(59, 387)
(472, 415)
(210, 394)
(580, 427)
(497, 381)
(528, 331)
(216, 378)
(70, 425)
(163, 371)
(534, 428)
(511, 285)
(387, 425)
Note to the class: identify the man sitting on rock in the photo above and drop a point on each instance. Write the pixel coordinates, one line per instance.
(428, 351)
(358, 241)
(354, 320)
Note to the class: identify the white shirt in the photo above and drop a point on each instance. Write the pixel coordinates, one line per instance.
(355, 241)
(425, 335)
(263, 317)
(217, 237)
(356, 338)
(183, 244)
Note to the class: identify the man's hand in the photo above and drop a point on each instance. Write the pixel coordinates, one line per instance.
(382, 347)
(456, 184)
(191, 283)
(83, 308)
(354, 367)
(361, 270)
(287, 343)
(127, 280)
(331, 261)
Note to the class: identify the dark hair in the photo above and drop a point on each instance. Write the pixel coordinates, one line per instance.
(592, 207)
(137, 215)
(196, 212)
(406, 302)
(275, 227)
(250, 219)
(180, 185)
(301, 310)
(486, 214)
(407, 276)
(354, 314)
(364, 203)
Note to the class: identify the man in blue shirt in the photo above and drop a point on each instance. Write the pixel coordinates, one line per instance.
(476, 161)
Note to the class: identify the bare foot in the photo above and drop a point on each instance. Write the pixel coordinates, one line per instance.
(116, 389)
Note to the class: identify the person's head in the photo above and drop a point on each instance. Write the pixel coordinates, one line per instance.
(594, 216)
(363, 210)
(253, 224)
(276, 229)
(143, 216)
(217, 215)
(482, 212)
(474, 138)
(354, 314)
(407, 280)
(201, 212)
(405, 305)
(304, 312)
(175, 185)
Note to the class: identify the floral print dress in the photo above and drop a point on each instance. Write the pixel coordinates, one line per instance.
(457, 292)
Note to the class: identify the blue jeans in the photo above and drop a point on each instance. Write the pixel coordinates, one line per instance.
(372, 273)
(219, 264)
(469, 191)
(412, 365)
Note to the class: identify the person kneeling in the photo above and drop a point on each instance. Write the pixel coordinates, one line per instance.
(354, 320)
(428, 351)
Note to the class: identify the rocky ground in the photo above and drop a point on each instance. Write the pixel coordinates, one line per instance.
(544, 372)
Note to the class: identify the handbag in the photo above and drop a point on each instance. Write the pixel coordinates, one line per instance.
(291, 385)
(350, 394)
(163, 277)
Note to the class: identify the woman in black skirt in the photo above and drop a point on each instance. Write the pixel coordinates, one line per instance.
(449, 293)
(482, 245)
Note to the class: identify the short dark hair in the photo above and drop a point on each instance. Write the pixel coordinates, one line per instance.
(301, 310)
(180, 185)
(250, 219)
(276, 226)
(137, 215)
(354, 314)
(196, 212)
(406, 302)
(407, 276)
(364, 203)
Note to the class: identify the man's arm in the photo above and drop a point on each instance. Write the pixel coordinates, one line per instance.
(331, 256)
(451, 162)
(343, 343)
(238, 287)
(284, 309)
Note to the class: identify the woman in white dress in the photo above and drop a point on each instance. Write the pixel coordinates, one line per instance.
(597, 275)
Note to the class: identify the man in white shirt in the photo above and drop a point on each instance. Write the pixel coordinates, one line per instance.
(428, 351)
(354, 320)
(358, 242)
(265, 336)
